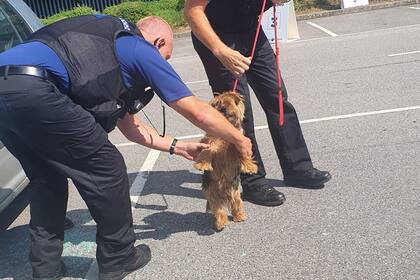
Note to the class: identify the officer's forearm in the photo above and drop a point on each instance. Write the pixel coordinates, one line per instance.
(200, 25)
(142, 134)
(207, 118)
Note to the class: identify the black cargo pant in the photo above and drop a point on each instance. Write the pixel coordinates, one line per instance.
(262, 77)
(55, 139)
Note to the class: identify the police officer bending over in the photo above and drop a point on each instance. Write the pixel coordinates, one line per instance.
(223, 33)
(60, 93)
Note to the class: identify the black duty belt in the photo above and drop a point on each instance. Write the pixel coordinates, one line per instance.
(11, 70)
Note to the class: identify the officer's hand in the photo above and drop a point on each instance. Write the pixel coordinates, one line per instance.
(244, 147)
(233, 60)
(279, 2)
(189, 150)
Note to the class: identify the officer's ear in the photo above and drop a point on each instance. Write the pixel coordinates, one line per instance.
(159, 42)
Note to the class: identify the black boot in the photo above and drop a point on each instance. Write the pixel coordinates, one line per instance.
(141, 257)
(60, 273)
(264, 195)
(312, 178)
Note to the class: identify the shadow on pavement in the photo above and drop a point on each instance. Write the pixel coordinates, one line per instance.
(162, 225)
(170, 183)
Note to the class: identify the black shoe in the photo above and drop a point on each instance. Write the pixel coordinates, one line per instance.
(264, 195)
(313, 178)
(60, 273)
(68, 224)
(141, 257)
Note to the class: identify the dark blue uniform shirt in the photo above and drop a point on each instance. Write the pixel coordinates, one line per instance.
(140, 62)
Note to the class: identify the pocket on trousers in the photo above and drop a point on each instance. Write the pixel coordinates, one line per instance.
(88, 146)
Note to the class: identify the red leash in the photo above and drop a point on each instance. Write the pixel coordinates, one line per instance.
(281, 108)
(257, 33)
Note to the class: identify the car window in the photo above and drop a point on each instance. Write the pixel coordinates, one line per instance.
(13, 29)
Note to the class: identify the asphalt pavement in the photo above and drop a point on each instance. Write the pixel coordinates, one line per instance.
(355, 82)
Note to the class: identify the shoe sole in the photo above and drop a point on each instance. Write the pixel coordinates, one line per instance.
(269, 204)
(297, 183)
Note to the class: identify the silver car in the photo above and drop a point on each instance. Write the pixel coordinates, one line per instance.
(17, 21)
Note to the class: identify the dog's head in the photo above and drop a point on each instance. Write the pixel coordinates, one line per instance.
(231, 105)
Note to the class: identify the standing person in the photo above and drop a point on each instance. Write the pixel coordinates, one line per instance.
(222, 34)
(60, 93)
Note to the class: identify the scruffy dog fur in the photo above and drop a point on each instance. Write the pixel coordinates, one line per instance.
(222, 165)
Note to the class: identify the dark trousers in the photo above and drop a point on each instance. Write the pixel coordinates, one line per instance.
(288, 140)
(55, 139)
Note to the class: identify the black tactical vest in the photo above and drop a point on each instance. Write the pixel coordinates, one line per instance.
(86, 46)
(234, 16)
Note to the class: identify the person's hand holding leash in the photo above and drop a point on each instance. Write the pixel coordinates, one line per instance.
(233, 60)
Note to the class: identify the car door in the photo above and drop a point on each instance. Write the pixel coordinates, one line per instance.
(17, 21)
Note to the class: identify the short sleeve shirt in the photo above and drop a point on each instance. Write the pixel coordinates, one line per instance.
(141, 65)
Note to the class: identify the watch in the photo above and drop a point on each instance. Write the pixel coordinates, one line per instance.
(172, 147)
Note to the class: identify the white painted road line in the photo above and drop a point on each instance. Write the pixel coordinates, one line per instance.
(332, 34)
(354, 115)
(197, 82)
(190, 136)
(403, 53)
(141, 178)
(414, 8)
(125, 144)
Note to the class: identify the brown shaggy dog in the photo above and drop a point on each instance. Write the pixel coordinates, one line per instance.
(223, 164)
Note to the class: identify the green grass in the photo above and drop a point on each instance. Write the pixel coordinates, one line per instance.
(302, 6)
(170, 10)
(79, 11)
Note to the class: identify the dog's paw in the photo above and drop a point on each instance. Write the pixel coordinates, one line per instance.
(239, 216)
(203, 166)
(248, 166)
(220, 222)
(219, 226)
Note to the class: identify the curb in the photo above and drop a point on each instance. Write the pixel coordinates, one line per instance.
(184, 34)
(336, 12)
